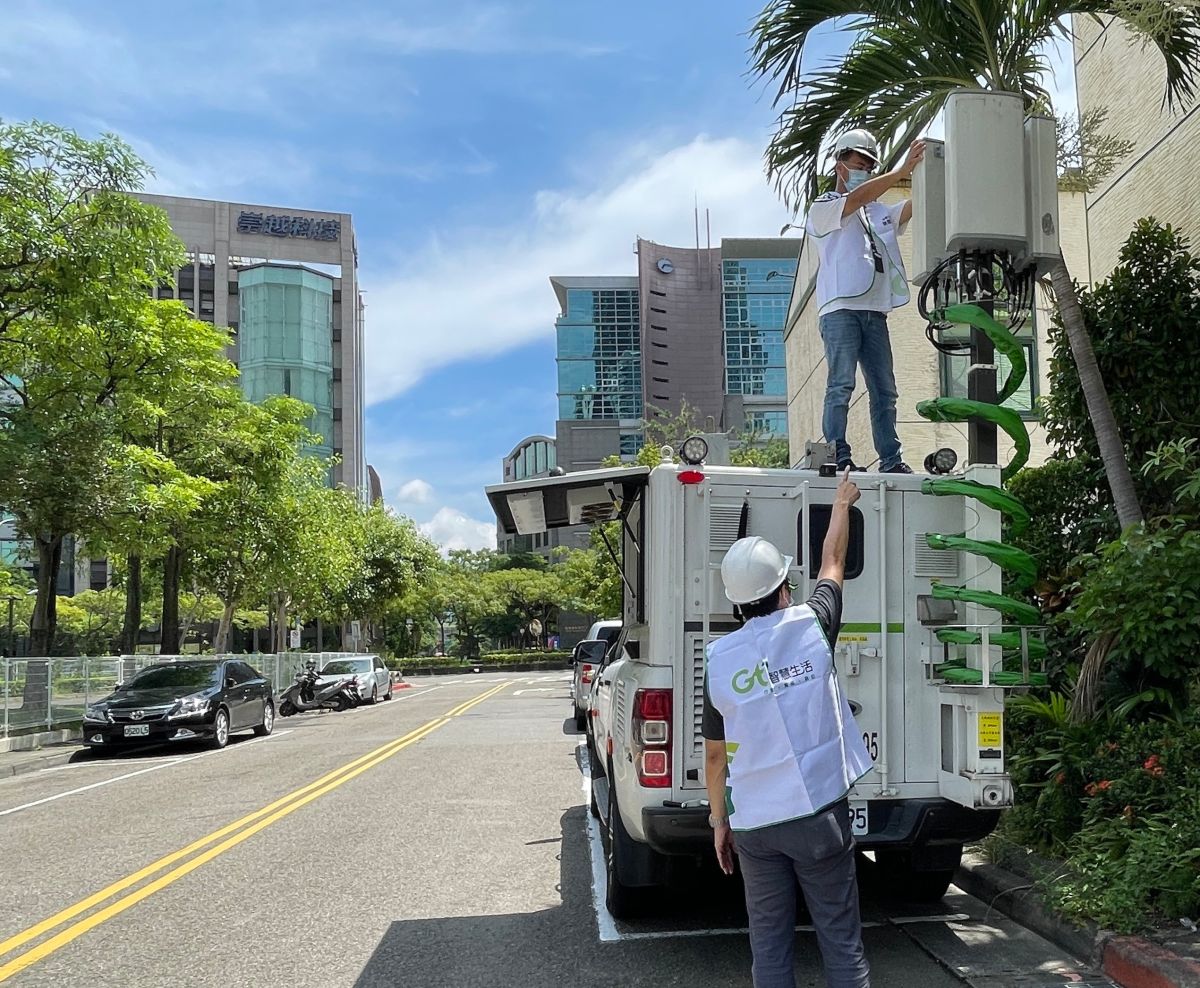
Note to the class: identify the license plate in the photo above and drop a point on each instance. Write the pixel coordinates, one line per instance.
(858, 818)
(137, 730)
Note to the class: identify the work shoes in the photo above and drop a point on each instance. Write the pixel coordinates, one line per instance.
(851, 465)
(900, 468)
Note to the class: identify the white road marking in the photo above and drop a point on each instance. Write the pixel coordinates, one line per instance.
(607, 926)
(605, 923)
(540, 689)
(143, 771)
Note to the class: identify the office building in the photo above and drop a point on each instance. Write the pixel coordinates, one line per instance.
(285, 281)
(1120, 73)
(701, 326)
(531, 458)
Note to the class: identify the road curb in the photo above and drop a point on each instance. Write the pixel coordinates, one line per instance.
(1132, 962)
(25, 766)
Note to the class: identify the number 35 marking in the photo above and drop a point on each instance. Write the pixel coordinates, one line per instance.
(871, 741)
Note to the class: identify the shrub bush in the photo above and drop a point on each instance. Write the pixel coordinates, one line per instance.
(1120, 803)
(1143, 588)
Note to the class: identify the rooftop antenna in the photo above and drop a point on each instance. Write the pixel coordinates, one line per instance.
(708, 234)
(696, 211)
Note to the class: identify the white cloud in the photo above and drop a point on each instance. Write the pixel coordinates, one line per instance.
(451, 529)
(475, 292)
(415, 492)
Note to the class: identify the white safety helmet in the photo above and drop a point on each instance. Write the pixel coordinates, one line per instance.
(752, 569)
(862, 141)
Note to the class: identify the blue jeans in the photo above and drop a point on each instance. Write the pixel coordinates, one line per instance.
(818, 852)
(854, 338)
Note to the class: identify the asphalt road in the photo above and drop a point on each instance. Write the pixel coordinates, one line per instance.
(439, 839)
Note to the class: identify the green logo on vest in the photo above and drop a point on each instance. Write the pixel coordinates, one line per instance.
(744, 680)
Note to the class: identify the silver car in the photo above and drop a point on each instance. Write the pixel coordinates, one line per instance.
(374, 680)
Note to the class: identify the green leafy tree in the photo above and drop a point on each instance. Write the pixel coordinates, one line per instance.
(91, 620)
(1141, 321)
(529, 596)
(904, 60)
(591, 581)
(764, 450)
(80, 340)
(234, 543)
(394, 560)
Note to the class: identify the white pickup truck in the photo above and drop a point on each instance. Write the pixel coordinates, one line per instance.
(939, 778)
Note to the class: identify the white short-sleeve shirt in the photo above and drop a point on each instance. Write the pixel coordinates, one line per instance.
(847, 278)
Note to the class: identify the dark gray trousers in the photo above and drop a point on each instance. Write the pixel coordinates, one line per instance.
(817, 851)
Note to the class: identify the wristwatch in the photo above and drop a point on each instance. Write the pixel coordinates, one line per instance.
(717, 821)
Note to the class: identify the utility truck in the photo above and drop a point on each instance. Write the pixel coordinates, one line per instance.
(919, 653)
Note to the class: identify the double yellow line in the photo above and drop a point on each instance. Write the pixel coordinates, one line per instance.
(228, 837)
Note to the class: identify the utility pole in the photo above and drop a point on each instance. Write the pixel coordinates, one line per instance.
(982, 444)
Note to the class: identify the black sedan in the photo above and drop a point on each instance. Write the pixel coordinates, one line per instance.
(182, 701)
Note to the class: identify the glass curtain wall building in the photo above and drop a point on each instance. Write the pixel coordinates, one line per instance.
(755, 299)
(286, 340)
(599, 359)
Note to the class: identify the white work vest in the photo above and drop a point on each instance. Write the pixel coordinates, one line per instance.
(792, 744)
(847, 274)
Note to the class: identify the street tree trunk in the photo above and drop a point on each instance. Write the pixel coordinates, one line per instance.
(172, 565)
(45, 611)
(36, 695)
(221, 644)
(131, 629)
(281, 628)
(1108, 436)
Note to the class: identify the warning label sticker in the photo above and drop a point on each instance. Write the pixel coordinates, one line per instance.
(991, 730)
(851, 638)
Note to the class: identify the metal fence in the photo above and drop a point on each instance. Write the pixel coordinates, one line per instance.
(47, 694)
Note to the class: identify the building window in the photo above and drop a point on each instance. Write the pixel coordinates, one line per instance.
(600, 355)
(337, 413)
(337, 373)
(954, 369)
(98, 577)
(755, 302)
(767, 424)
(631, 443)
(337, 334)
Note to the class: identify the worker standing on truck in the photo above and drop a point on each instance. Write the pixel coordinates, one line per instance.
(782, 751)
(860, 280)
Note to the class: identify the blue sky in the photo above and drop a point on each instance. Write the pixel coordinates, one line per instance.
(481, 148)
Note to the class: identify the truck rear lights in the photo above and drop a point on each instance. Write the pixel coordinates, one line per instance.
(655, 764)
(585, 674)
(651, 737)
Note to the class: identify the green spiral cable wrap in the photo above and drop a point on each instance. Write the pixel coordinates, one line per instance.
(1020, 563)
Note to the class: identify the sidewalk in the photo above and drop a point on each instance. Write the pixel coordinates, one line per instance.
(21, 762)
(1131, 961)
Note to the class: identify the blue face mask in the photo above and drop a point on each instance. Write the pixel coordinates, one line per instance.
(855, 177)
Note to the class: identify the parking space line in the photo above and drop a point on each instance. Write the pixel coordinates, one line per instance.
(175, 760)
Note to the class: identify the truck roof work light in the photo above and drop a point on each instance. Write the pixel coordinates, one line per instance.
(694, 450)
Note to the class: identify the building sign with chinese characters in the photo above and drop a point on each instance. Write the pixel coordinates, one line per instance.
(272, 225)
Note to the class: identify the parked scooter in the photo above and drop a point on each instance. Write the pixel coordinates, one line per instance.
(307, 692)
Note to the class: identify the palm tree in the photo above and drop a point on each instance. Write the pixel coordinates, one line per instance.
(906, 57)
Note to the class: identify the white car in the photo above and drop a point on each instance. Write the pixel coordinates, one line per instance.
(586, 659)
(374, 680)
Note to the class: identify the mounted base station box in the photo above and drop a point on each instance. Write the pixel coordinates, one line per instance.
(991, 185)
(985, 171)
(929, 215)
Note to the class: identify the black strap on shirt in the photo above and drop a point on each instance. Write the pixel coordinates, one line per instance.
(871, 237)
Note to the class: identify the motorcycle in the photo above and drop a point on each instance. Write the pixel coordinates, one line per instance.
(307, 692)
